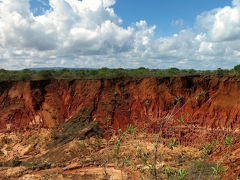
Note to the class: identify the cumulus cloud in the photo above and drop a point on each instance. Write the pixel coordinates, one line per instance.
(222, 24)
(19, 30)
(69, 28)
(88, 33)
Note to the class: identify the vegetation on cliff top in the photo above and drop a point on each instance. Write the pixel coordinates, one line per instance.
(27, 74)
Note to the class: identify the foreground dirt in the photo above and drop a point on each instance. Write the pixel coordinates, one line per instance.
(28, 156)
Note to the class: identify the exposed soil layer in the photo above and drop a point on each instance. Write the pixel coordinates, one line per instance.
(141, 102)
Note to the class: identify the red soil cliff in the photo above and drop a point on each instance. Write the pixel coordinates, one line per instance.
(141, 102)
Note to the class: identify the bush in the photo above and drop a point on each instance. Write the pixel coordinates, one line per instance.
(45, 74)
(237, 68)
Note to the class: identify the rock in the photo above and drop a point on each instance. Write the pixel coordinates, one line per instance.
(15, 171)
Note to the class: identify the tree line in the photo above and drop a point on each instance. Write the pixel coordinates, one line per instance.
(27, 74)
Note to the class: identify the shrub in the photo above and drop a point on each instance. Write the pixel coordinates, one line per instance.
(172, 143)
(219, 170)
(237, 68)
(45, 74)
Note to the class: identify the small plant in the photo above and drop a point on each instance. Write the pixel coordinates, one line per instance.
(108, 124)
(201, 94)
(142, 170)
(182, 174)
(147, 102)
(206, 149)
(144, 156)
(117, 144)
(131, 129)
(125, 160)
(82, 143)
(170, 173)
(151, 168)
(228, 140)
(183, 118)
(172, 143)
(219, 170)
(214, 142)
(177, 99)
(105, 162)
(108, 121)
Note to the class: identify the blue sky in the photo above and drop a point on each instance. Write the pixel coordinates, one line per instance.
(162, 13)
(118, 33)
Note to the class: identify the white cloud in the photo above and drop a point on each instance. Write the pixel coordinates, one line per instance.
(70, 28)
(88, 33)
(236, 3)
(222, 24)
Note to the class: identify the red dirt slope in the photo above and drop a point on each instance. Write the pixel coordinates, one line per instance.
(141, 102)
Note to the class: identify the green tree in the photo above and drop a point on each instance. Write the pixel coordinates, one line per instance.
(45, 74)
(237, 68)
(220, 72)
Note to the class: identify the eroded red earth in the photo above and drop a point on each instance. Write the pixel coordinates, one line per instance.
(210, 106)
